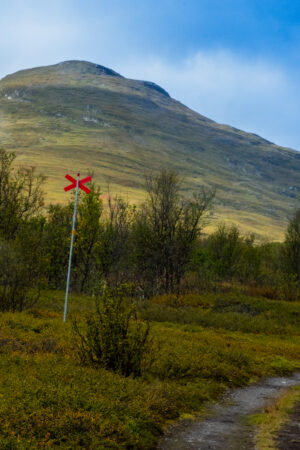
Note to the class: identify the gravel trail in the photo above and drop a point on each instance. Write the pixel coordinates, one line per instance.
(225, 425)
(289, 435)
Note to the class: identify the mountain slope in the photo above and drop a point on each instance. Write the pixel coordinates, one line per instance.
(79, 116)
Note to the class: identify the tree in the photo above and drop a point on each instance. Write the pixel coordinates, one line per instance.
(113, 250)
(56, 243)
(21, 195)
(165, 230)
(22, 263)
(291, 250)
(248, 266)
(225, 247)
(87, 237)
(22, 267)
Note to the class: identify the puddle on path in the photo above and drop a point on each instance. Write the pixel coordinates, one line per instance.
(225, 426)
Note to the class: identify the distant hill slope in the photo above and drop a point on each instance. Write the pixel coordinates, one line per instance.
(77, 115)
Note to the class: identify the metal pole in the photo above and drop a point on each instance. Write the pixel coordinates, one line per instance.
(71, 246)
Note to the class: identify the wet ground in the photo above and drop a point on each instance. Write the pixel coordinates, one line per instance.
(225, 426)
(289, 435)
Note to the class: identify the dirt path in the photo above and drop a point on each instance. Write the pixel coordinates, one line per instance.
(225, 426)
(289, 435)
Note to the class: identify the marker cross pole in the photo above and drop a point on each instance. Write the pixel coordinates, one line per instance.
(76, 183)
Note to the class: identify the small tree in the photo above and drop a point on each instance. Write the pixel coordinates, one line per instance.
(248, 266)
(22, 267)
(56, 243)
(115, 337)
(291, 250)
(113, 251)
(22, 263)
(87, 238)
(88, 231)
(224, 247)
(165, 230)
(21, 195)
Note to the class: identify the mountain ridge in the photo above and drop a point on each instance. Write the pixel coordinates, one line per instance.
(82, 114)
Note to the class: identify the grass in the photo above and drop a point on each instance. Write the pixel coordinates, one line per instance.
(43, 119)
(268, 423)
(48, 399)
(229, 311)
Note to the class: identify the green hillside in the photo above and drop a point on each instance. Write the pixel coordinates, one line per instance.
(81, 116)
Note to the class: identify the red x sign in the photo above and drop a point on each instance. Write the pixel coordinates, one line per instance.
(81, 183)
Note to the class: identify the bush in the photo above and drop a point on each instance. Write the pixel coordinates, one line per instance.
(288, 287)
(22, 268)
(21, 195)
(225, 248)
(115, 337)
(291, 249)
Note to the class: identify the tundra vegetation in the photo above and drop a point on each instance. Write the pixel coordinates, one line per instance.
(161, 318)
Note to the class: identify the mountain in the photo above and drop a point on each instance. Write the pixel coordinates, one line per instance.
(76, 115)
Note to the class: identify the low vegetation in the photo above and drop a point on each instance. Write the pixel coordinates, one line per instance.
(49, 398)
(178, 317)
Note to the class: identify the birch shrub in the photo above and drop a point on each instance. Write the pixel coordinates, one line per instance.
(114, 337)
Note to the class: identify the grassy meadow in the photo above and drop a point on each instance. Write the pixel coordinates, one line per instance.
(201, 345)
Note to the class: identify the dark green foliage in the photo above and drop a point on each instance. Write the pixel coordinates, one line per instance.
(165, 231)
(201, 276)
(225, 255)
(248, 265)
(57, 243)
(87, 239)
(158, 246)
(115, 337)
(113, 252)
(22, 263)
(13, 278)
(292, 245)
(22, 267)
(21, 195)
(225, 250)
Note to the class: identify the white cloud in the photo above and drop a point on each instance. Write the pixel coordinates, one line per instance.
(253, 95)
(32, 36)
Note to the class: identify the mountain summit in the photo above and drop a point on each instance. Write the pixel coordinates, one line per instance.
(79, 115)
(66, 68)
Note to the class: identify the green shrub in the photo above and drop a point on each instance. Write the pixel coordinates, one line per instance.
(21, 274)
(115, 337)
(288, 287)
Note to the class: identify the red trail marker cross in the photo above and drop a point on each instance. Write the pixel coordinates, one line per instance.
(75, 184)
(81, 183)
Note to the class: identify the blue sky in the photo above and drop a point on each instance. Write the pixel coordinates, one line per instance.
(235, 61)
